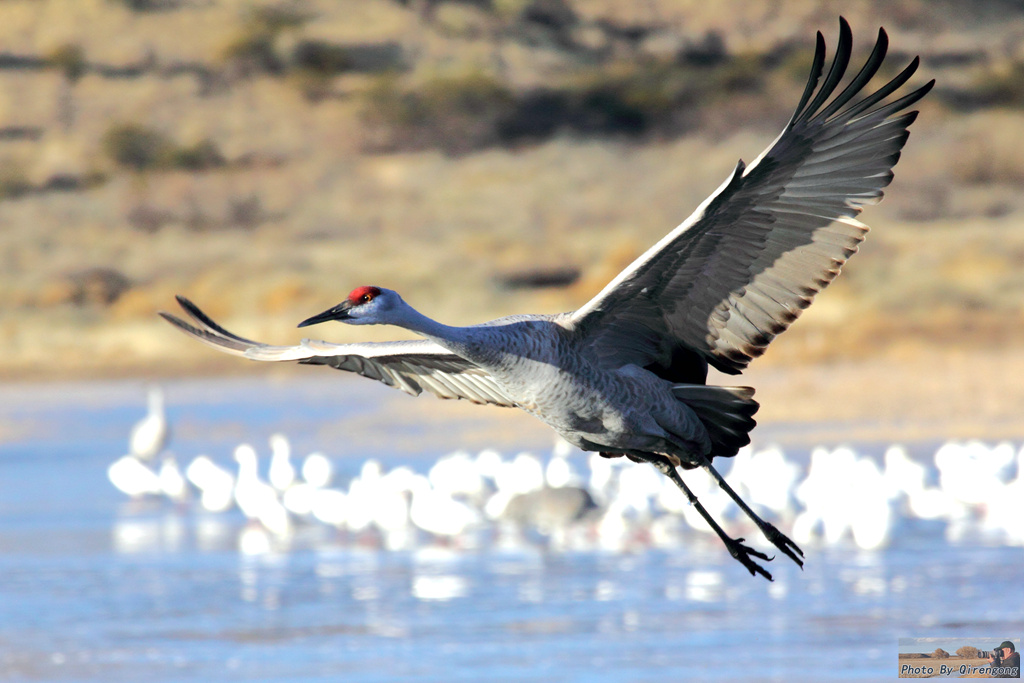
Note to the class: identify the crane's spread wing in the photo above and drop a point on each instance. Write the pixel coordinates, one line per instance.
(736, 273)
(411, 366)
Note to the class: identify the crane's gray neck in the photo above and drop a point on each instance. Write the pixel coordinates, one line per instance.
(456, 339)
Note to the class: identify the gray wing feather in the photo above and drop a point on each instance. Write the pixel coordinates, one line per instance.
(743, 267)
(411, 366)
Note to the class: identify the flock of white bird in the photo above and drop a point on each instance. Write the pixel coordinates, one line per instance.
(971, 491)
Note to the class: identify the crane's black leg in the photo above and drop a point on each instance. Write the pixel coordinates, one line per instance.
(777, 538)
(735, 546)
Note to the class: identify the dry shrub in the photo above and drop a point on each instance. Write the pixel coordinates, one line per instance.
(88, 287)
(313, 64)
(454, 112)
(969, 652)
(140, 148)
(69, 58)
(320, 57)
(628, 98)
(202, 156)
(940, 654)
(459, 113)
(632, 98)
(135, 147)
(249, 53)
(252, 48)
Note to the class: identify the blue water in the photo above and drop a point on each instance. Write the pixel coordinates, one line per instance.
(94, 588)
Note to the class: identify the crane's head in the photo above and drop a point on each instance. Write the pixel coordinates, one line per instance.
(363, 306)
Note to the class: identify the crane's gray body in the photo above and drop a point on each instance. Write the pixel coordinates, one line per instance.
(618, 410)
(625, 374)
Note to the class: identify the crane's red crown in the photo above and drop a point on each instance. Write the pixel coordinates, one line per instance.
(363, 295)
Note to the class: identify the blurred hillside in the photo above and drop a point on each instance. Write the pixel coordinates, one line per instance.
(265, 158)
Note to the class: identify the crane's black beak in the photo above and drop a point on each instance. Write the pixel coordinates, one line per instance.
(339, 312)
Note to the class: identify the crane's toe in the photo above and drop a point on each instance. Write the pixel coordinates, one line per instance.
(783, 543)
(742, 553)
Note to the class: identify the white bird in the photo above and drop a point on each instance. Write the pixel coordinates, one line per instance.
(559, 472)
(872, 520)
(310, 497)
(524, 473)
(638, 487)
(615, 530)
(133, 477)
(149, 436)
(971, 471)
(457, 474)
(826, 496)
(625, 374)
(770, 479)
(216, 484)
(391, 509)
(282, 472)
(902, 476)
(1003, 510)
(172, 481)
(298, 499)
(330, 506)
(488, 462)
(604, 473)
(317, 470)
(438, 513)
(363, 494)
(257, 499)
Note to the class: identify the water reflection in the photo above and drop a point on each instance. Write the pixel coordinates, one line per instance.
(444, 587)
(94, 590)
(704, 586)
(165, 533)
(223, 615)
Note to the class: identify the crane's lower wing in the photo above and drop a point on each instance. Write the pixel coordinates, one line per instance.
(741, 269)
(411, 366)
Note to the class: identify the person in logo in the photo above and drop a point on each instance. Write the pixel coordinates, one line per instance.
(1007, 664)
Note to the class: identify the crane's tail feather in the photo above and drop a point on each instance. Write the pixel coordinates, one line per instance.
(727, 414)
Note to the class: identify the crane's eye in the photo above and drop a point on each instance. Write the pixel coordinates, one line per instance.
(363, 295)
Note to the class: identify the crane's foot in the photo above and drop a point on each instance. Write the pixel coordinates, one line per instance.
(776, 537)
(742, 554)
(783, 543)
